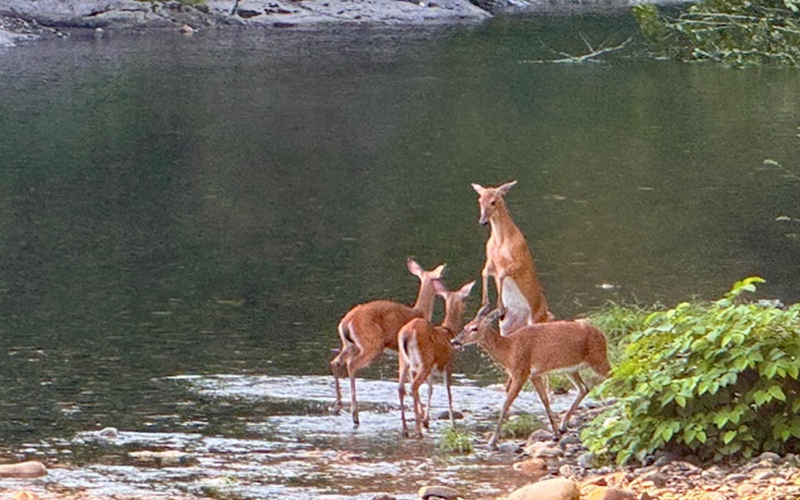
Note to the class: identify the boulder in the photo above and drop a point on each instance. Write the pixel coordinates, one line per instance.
(550, 489)
(607, 493)
(23, 469)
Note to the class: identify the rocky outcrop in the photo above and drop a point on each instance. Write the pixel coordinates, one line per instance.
(127, 14)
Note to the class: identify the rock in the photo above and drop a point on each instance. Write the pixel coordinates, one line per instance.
(162, 458)
(542, 449)
(445, 415)
(24, 495)
(658, 479)
(23, 470)
(384, 496)
(427, 492)
(109, 433)
(533, 467)
(549, 489)
(586, 460)
(539, 435)
(609, 493)
(769, 457)
(186, 29)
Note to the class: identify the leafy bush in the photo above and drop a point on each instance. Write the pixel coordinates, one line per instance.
(713, 379)
(520, 426)
(455, 440)
(735, 32)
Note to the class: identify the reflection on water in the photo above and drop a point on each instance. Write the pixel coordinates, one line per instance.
(214, 204)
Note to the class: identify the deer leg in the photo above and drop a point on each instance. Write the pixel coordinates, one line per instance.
(485, 274)
(401, 392)
(426, 420)
(580, 386)
(417, 381)
(513, 387)
(354, 364)
(337, 370)
(541, 388)
(447, 382)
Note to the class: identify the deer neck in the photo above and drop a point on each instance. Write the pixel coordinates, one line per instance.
(424, 303)
(503, 226)
(496, 346)
(452, 320)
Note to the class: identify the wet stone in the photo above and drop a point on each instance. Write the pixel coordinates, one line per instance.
(434, 492)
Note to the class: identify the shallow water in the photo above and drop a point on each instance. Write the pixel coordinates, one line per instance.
(183, 221)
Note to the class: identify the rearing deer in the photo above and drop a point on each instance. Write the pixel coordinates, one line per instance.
(520, 297)
(423, 347)
(367, 329)
(533, 351)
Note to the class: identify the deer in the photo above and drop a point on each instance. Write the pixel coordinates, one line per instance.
(370, 328)
(520, 297)
(424, 347)
(534, 351)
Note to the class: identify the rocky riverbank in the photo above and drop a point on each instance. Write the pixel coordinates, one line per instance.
(22, 20)
(540, 468)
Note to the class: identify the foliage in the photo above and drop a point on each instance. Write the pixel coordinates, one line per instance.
(455, 440)
(618, 322)
(520, 426)
(713, 379)
(734, 32)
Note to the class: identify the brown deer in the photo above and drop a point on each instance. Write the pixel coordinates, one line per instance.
(423, 348)
(367, 329)
(520, 297)
(533, 351)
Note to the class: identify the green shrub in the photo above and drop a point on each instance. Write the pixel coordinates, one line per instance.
(713, 379)
(520, 426)
(734, 32)
(455, 440)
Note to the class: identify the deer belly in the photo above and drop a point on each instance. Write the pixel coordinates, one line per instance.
(517, 308)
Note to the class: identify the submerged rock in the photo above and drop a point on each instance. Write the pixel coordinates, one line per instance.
(434, 492)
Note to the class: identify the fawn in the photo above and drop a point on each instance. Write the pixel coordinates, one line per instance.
(535, 350)
(367, 329)
(423, 347)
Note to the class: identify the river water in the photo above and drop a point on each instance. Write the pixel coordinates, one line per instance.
(184, 219)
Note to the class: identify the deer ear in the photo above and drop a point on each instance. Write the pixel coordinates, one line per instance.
(505, 187)
(464, 291)
(413, 267)
(483, 311)
(478, 188)
(494, 315)
(440, 289)
(439, 271)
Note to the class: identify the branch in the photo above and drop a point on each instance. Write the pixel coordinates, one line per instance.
(590, 57)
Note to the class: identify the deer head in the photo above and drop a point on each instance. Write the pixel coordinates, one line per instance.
(490, 199)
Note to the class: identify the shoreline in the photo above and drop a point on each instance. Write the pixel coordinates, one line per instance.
(23, 21)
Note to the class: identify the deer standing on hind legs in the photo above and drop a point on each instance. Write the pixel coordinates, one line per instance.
(423, 347)
(367, 329)
(520, 297)
(535, 350)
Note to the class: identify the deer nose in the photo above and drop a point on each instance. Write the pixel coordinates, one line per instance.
(457, 343)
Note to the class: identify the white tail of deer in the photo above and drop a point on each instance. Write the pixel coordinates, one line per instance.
(367, 329)
(520, 297)
(423, 348)
(533, 351)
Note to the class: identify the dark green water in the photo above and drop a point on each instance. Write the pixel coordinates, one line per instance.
(214, 204)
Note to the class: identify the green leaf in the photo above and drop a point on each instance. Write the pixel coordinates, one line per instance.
(729, 436)
(776, 392)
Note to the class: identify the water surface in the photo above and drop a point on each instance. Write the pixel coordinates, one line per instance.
(212, 205)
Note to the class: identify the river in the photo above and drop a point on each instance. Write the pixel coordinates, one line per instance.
(183, 212)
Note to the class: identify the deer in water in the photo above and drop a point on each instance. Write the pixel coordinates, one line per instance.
(423, 348)
(535, 350)
(520, 297)
(367, 329)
